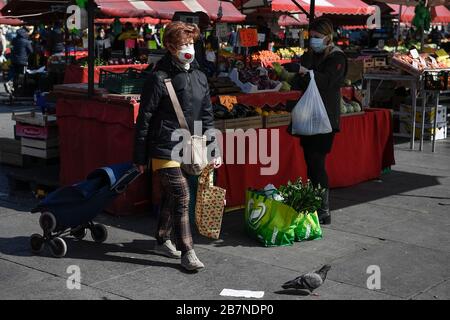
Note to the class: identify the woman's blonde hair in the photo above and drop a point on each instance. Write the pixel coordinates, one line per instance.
(178, 33)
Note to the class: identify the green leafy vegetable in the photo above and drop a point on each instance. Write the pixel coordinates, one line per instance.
(302, 197)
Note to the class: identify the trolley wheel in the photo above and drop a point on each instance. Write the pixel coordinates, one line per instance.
(37, 243)
(58, 247)
(99, 233)
(47, 221)
(79, 234)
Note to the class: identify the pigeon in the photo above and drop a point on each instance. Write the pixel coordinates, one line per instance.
(309, 281)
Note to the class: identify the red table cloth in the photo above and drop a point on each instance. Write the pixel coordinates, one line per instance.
(79, 74)
(95, 133)
(362, 149)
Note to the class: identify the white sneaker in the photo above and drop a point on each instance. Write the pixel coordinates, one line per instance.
(190, 262)
(167, 249)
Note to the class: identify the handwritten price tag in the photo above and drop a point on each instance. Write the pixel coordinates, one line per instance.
(248, 37)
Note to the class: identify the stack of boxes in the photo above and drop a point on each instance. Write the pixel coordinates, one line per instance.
(38, 134)
(430, 112)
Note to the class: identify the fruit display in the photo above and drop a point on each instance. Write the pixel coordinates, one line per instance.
(242, 111)
(350, 106)
(264, 56)
(267, 111)
(425, 61)
(121, 61)
(252, 80)
(258, 78)
(238, 111)
(290, 53)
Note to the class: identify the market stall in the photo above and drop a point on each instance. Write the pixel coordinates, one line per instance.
(75, 73)
(100, 131)
(362, 149)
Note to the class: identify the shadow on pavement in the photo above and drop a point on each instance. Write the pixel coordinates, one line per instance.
(293, 292)
(395, 183)
(89, 250)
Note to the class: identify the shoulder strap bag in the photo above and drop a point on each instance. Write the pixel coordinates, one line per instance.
(196, 145)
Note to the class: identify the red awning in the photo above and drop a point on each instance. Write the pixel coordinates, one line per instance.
(8, 21)
(439, 14)
(134, 21)
(166, 9)
(352, 7)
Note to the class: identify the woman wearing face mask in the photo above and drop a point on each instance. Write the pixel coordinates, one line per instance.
(156, 122)
(329, 64)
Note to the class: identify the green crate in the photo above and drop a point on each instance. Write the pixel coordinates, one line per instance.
(129, 82)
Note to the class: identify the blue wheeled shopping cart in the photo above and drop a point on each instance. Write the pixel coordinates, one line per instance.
(70, 210)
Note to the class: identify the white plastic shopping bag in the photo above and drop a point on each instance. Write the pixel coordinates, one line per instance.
(309, 116)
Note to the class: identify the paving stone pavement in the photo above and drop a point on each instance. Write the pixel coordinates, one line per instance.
(400, 223)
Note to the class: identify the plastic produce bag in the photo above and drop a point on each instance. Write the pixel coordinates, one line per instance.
(308, 227)
(309, 116)
(269, 221)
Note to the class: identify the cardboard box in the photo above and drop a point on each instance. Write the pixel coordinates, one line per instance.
(441, 131)
(380, 62)
(430, 112)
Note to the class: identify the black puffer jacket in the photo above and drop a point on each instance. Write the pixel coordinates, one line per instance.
(329, 73)
(157, 119)
(21, 48)
(56, 41)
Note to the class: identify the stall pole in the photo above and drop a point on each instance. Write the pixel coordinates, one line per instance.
(399, 25)
(436, 106)
(414, 112)
(312, 11)
(424, 106)
(91, 58)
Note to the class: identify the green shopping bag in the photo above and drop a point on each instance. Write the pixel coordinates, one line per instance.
(271, 222)
(308, 227)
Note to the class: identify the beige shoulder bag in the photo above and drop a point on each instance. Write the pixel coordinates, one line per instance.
(196, 144)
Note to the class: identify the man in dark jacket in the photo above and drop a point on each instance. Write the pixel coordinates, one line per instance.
(21, 51)
(55, 41)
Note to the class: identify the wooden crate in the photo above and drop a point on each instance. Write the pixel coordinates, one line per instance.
(35, 119)
(277, 120)
(240, 123)
(10, 152)
(36, 132)
(40, 144)
(40, 153)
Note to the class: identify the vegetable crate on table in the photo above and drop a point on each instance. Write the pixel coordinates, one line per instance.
(277, 120)
(128, 82)
(239, 123)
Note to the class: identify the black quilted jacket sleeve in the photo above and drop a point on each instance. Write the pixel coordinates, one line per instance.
(150, 98)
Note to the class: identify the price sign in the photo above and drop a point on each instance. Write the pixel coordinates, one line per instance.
(294, 33)
(221, 30)
(228, 101)
(248, 37)
(414, 53)
(261, 37)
